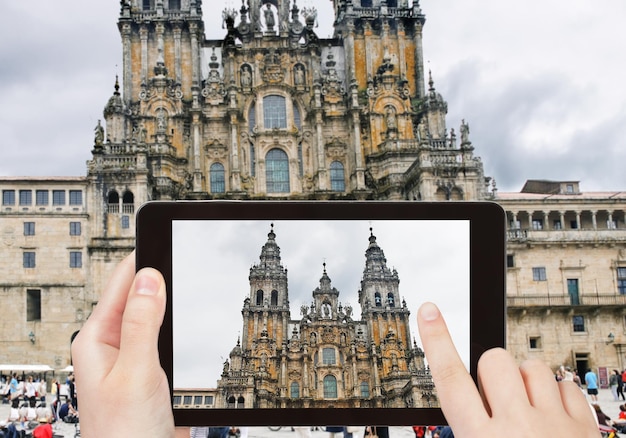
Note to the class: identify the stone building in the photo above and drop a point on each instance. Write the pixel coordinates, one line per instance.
(273, 111)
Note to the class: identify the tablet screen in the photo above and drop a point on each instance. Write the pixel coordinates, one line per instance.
(291, 313)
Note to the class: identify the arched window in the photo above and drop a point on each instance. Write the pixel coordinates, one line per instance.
(128, 202)
(330, 386)
(231, 402)
(218, 184)
(274, 112)
(390, 300)
(113, 201)
(294, 390)
(259, 297)
(365, 389)
(241, 402)
(277, 171)
(274, 298)
(337, 180)
(377, 299)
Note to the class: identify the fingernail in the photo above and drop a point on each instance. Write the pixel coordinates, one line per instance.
(429, 312)
(146, 284)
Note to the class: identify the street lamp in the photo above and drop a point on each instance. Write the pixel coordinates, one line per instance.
(611, 338)
(31, 337)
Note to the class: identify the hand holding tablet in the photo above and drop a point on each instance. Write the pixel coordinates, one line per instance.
(246, 341)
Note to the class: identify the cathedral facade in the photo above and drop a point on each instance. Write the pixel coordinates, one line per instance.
(326, 358)
(272, 111)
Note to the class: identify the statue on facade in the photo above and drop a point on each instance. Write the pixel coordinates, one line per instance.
(99, 135)
(299, 75)
(391, 119)
(464, 132)
(246, 76)
(269, 17)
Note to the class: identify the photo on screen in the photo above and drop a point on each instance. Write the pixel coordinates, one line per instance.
(312, 313)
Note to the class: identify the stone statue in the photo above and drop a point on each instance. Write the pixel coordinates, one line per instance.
(464, 132)
(299, 75)
(391, 119)
(246, 76)
(269, 17)
(99, 135)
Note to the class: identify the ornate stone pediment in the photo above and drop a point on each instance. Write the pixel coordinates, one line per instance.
(272, 70)
(214, 90)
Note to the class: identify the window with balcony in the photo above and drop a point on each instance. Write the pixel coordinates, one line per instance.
(128, 202)
(539, 274)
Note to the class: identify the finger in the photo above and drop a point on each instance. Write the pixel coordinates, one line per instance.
(500, 382)
(449, 374)
(541, 386)
(142, 320)
(98, 341)
(576, 405)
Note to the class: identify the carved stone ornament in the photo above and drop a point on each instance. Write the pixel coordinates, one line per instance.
(273, 71)
(214, 90)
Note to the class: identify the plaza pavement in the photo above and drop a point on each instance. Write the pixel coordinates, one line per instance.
(605, 399)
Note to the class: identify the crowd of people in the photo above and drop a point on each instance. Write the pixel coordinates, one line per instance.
(33, 407)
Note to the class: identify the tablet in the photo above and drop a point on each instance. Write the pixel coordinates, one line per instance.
(303, 313)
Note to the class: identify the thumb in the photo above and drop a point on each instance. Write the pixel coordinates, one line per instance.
(142, 319)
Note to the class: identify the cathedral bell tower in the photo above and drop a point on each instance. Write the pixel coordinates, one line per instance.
(380, 300)
(266, 309)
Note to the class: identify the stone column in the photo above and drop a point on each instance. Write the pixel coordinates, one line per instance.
(197, 165)
(195, 55)
(178, 61)
(143, 36)
(610, 222)
(594, 219)
(546, 223)
(578, 220)
(562, 219)
(127, 73)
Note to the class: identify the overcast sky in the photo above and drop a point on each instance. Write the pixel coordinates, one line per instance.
(540, 83)
(212, 260)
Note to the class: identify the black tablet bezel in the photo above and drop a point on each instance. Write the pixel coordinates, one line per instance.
(487, 289)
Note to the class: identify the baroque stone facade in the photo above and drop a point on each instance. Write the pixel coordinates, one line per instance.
(326, 358)
(273, 111)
